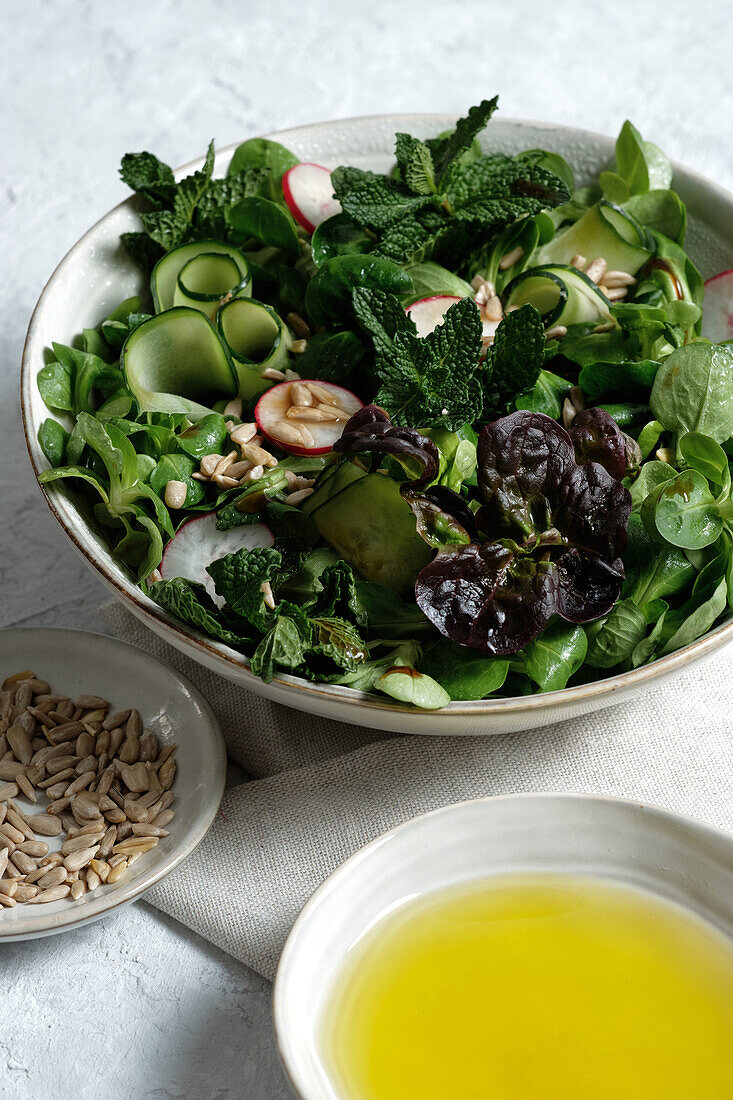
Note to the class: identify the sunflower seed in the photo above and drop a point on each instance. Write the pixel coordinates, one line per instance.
(596, 269)
(11, 833)
(92, 702)
(117, 872)
(130, 751)
(24, 863)
(45, 824)
(25, 892)
(76, 860)
(4, 856)
(149, 830)
(6, 901)
(101, 868)
(8, 790)
(162, 819)
(92, 878)
(54, 894)
(134, 811)
(87, 764)
(16, 678)
(60, 764)
(167, 773)
(77, 889)
(36, 848)
(26, 788)
(52, 878)
(79, 843)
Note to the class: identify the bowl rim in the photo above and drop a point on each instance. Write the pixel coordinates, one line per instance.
(336, 879)
(127, 891)
(295, 686)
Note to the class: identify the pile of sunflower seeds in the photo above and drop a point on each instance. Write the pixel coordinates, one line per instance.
(108, 781)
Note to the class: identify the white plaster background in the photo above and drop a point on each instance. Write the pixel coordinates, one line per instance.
(137, 1006)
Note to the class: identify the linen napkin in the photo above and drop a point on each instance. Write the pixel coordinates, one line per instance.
(322, 789)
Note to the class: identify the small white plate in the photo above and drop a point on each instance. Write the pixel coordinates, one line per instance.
(662, 853)
(78, 661)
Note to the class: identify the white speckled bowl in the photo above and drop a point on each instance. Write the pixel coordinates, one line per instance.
(96, 275)
(76, 661)
(642, 846)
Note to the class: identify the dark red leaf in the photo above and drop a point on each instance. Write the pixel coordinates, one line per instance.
(371, 430)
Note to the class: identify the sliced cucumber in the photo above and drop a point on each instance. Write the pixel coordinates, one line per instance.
(256, 338)
(562, 294)
(605, 230)
(332, 481)
(199, 275)
(176, 363)
(370, 525)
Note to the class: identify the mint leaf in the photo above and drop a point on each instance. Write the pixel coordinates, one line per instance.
(220, 196)
(446, 150)
(191, 603)
(238, 579)
(430, 382)
(416, 164)
(284, 645)
(337, 642)
(382, 316)
(514, 360)
(142, 249)
(148, 176)
(378, 202)
(338, 597)
(170, 227)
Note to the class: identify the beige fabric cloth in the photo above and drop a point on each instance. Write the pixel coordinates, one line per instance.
(322, 789)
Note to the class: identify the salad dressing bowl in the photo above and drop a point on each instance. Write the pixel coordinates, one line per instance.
(484, 841)
(96, 274)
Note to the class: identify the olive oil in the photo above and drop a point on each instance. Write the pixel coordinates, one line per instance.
(523, 987)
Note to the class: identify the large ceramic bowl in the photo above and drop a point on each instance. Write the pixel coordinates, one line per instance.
(649, 849)
(96, 275)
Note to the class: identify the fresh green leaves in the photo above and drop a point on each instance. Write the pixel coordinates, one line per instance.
(693, 391)
(446, 203)
(640, 166)
(329, 294)
(684, 511)
(268, 222)
(556, 655)
(464, 673)
(149, 177)
(169, 227)
(428, 382)
(514, 360)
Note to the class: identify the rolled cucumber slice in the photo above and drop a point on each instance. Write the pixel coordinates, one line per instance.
(604, 230)
(176, 363)
(562, 294)
(256, 338)
(199, 275)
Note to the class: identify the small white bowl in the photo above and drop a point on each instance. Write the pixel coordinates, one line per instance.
(643, 846)
(79, 661)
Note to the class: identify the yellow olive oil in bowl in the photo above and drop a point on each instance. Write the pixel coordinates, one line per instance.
(552, 987)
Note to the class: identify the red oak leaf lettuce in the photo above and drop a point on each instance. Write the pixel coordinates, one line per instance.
(553, 531)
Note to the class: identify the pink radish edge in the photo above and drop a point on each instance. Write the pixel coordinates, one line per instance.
(309, 195)
(717, 317)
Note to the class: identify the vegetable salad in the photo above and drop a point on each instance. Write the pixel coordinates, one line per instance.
(477, 442)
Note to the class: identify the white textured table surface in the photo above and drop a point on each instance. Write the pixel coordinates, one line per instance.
(137, 1006)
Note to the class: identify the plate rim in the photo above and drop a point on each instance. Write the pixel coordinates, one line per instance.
(99, 907)
(296, 687)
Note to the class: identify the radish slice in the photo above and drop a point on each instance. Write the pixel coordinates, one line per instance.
(318, 412)
(197, 543)
(309, 195)
(717, 314)
(428, 313)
